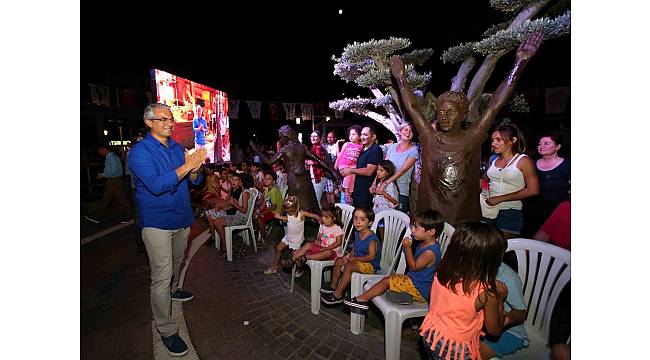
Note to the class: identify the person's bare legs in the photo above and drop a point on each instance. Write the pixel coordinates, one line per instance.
(336, 272)
(346, 277)
(377, 290)
(486, 352)
(279, 247)
(561, 352)
(323, 255)
(211, 225)
(219, 225)
(303, 249)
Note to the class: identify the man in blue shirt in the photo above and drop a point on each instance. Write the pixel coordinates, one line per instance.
(162, 169)
(200, 127)
(113, 187)
(366, 169)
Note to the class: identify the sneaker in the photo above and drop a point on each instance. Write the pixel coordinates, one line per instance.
(331, 299)
(175, 345)
(181, 295)
(91, 219)
(363, 305)
(270, 271)
(326, 289)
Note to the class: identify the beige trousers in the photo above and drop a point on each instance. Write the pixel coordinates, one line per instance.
(166, 251)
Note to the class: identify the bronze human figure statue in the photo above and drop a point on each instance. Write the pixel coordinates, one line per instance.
(451, 155)
(293, 155)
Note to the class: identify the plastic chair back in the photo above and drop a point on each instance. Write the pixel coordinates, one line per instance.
(544, 269)
(444, 238)
(346, 219)
(251, 204)
(396, 223)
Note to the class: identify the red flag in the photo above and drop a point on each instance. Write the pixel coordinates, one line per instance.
(127, 98)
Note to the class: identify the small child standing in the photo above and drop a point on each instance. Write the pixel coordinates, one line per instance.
(365, 257)
(388, 199)
(327, 244)
(295, 234)
(465, 294)
(348, 159)
(426, 227)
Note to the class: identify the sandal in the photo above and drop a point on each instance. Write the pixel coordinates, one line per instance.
(300, 261)
(270, 271)
(287, 263)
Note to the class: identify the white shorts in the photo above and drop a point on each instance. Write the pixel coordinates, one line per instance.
(293, 245)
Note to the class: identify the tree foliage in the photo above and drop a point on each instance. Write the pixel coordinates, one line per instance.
(366, 63)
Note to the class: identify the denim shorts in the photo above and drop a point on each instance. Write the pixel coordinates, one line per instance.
(506, 344)
(509, 220)
(404, 204)
(433, 354)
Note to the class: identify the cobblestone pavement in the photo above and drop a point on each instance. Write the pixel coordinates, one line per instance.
(116, 315)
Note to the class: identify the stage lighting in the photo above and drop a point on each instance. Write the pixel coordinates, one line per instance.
(105, 132)
(297, 121)
(340, 12)
(327, 118)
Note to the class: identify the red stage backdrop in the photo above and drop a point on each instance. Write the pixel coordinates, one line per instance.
(183, 96)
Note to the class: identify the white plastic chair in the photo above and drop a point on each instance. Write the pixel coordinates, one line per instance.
(317, 267)
(396, 223)
(394, 315)
(545, 270)
(247, 226)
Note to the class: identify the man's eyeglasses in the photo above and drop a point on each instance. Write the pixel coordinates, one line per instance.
(164, 120)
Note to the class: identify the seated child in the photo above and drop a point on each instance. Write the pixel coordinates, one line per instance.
(466, 298)
(426, 227)
(514, 337)
(271, 205)
(327, 243)
(365, 257)
(295, 233)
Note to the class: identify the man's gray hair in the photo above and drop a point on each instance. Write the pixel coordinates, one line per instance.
(149, 110)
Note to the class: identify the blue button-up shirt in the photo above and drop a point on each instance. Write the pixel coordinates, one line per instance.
(163, 201)
(112, 166)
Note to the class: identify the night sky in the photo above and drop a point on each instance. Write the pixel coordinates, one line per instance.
(278, 52)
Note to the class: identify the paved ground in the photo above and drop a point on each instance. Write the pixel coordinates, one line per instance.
(116, 315)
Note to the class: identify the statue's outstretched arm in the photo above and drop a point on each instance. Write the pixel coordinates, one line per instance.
(408, 97)
(502, 94)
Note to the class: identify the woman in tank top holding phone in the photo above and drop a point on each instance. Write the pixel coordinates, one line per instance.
(512, 178)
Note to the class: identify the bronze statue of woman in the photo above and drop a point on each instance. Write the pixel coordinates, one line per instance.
(451, 155)
(293, 155)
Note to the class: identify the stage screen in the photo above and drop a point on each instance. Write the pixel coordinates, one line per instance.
(187, 99)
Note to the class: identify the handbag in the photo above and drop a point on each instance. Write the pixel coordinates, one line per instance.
(489, 212)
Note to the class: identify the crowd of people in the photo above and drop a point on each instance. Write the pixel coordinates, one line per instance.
(521, 197)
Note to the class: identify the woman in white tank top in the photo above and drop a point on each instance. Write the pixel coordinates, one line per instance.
(512, 178)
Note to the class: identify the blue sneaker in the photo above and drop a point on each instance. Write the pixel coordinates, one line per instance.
(181, 295)
(175, 345)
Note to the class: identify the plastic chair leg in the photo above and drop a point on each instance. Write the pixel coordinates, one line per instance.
(316, 282)
(392, 335)
(217, 240)
(293, 277)
(229, 244)
(253, 235)
(356, 320)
